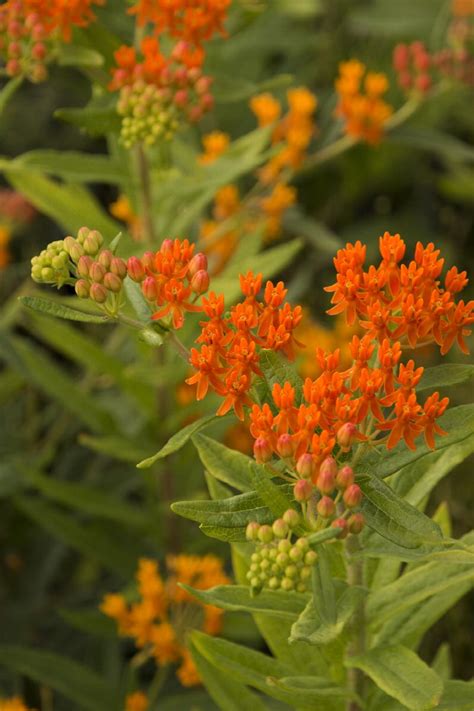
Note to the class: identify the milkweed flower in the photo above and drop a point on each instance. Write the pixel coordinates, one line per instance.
(136, 702)
(13, 704)
(165, 613)
(360, 104)
(215, 144)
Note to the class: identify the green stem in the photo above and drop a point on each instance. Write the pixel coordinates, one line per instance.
(145, 193)
(157, 684)
(355, 576)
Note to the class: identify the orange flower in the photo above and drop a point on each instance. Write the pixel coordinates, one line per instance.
(406, 423)
(266, 108)
(13, 704)
(136, 702)
(215, 144)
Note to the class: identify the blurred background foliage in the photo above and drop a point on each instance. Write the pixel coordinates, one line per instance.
(81, 405)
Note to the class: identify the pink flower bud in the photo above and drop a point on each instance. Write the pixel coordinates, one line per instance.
(112, 282)
(327, 476)
(38, 51)
(326, 507)
(96, 272)
(262, 450)
(346, 436)
(401, 58)
(181, 98)
(356, 523)
(84, 264)
(98, 293)
(135, 269)
(345, 477)
(340, 523)
(81, 288)
(207, 102)
(38, 32)
(405, 80)
(422, 61)
(423, 83)
(14, 50)
(105, 258)
(280, 528)
(38, 73)
(265, 534)
(305, 466)
(195, 114)
(285, 446)
(198, 262)
(352, 496)
(149, 289)
(166, 246)
(302, 490)
(203, 84)
(13, 67)
(118, 267)
(200, 282)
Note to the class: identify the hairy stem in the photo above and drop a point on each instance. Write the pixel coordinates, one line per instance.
(358, 643)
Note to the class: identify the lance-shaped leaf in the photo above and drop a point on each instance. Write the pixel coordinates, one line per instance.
(401, 673)
(313, 629)
(324, 590)
(278, 369)
(393, 518)
(457, 696)
(275, 497)
(231, 512)
(76, 682)
(177, 441)
(277, 603)
(59, 310)
(226, 465)
(446, 375)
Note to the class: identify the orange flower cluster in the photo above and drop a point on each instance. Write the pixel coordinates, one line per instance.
(29, 29)
(193, 21)
(165, 613)
(364, 113)
(13, 704)
(314, 334)
(396, 301)
(412, 64)
(228, 356)
(220, 244)
(171, 279)
(293, 132)
(5, 236)
(462, 8)
(136, 702)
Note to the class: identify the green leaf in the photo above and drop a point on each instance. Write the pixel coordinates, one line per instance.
(443, 376)
(393, 518)
(274, 497)
(400, 673)
(138, 302)
(76, 56)
(71, 166)
(226, 534)
(316, 233)
(443, 144)
(226, 465)
(278, 369)
(113, 446)
(276, 603)
(105, 544)
(324, 591)
(177, 441)
(232, 512)
(74, 681)
(8, 90)
(71, 206)
(58, 310)
(98, 118)
(44, 374)
(90, 621)
(228, 694)
(457, 696)
(327, 534)
(457, 421)
(88, 499)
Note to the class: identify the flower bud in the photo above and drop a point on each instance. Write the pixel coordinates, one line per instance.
(112, 282)
(356, 523)
(82, 234)
(326, 507)
(305, 466)
(340, 523)
(105, 258)
(265, 534)
(81, 288)
(310, 558)
(98, 293)
(149, 289)
(251, 532)
(345, 477)
(401, 57)
(423, 83)
(285, 446)
(296, 554)
(135, 269)
(274, 583)
(200, 282)
(96, 272)
(327, 476)
(291, 571)
(292, 518)
(83, 266)
(262, 450)
(287, 584)
(280, 528)
(284, 546)
(91, 244)
(73, 248)
(302, 490)
(118, 267)
(346, 436)
(166, 246)
(197, 263)
(352, 496)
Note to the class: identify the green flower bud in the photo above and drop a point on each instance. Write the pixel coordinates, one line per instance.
(301, 588)
(282, 559)
(265, 564)
(302, 543)
(254, 567)
(274, 583)
(47, 274)
(305, 572)
(251, 532)
(284, 546)
(272, 553)
(73, 248)
(82, 288)
(280, 528)
(296, 554)
(255, 558)
(310, 558)
(291, 571)
(112, 282)
(265, 534)
(82, 234)
(292, 518)
(255, 582)
(287, 584)
(98, 293)
(275, 569)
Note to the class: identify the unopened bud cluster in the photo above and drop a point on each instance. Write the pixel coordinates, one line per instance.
(416, 67)
(154, 106)
(281, 560)
(96, 273)
(24, 45)
(171, 279)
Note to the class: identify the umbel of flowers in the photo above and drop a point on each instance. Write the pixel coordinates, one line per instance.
(163, 612)
(14, 703)
(31, 29)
